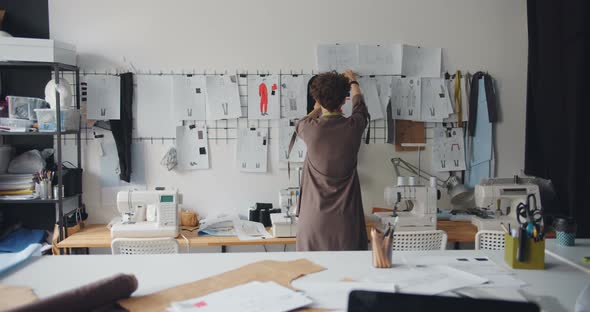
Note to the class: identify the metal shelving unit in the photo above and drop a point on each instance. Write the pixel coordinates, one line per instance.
(58, 69)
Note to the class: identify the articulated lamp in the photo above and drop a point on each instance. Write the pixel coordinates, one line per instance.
(458, 193)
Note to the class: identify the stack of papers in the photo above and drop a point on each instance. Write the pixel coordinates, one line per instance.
(250, 297)
(232, 226)
(16, 186)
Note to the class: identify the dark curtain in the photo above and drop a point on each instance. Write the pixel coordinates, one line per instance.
(558, 104)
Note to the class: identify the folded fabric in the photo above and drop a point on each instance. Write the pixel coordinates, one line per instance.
(21, 239)
(13, 259)
(100, 295)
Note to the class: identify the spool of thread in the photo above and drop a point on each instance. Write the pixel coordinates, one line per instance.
(189, 218)
(401, 181)
(565, 231)
(411, 181)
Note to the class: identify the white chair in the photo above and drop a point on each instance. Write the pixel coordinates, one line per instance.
(420, 240)
(144, 246)
(489, 240)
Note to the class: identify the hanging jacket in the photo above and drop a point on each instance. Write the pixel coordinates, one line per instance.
(122, 129)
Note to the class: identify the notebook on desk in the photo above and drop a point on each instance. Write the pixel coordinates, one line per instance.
(381, 301)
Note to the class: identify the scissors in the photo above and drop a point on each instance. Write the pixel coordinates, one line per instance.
(529, 215)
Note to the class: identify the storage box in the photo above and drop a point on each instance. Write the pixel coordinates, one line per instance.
(37, 50)
(24, 107)
(534, 254)
(16, 124)
(47, 118)
(283, 225)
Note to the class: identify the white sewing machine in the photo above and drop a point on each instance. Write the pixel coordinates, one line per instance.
(414, 204)
(147, 214)
(488, 196)
(284, 224)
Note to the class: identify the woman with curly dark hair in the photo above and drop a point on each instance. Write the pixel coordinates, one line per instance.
(330, 208)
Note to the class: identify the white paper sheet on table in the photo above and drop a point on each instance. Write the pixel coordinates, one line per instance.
(338, 57)
(464, 100)
(384, 87)
(223, 225)
(334, 295)
(249, 230)
(482, 266)
(154, 100)
(222, 97)
(103, 98)
(252, 150)
(435, 99)
(263, 97)
(250, 297)
(405, 98)
(421, 62)
(188, 93)
(294, 95)
(448, 149)
(192, 147)
(368, 87)
(379, 59)
(286, 129)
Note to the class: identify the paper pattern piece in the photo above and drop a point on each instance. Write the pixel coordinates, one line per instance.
(376, 59)
(409, 132)
(103, 98)
(263, 97)
(448, 149)
(251, 297)
(384, 86)
(222, 97)
(252, 150)
(192, 147)
(154, 99)
(281, 272)
(294, 95)
(368, 87)
(188, 93)
(421, 62)
(15, 296)
(435, 99)
(286, 130)
(405, 98)
(338, 57)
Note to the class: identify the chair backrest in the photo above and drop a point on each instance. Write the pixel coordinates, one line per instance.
(489, 240)
(144, 246)
(420, 240)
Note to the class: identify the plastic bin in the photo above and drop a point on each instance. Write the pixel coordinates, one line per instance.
(70, 120)
(15, 123)
(6, 152)
(24, 107)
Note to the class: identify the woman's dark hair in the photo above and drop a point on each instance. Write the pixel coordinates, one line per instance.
(330, 89)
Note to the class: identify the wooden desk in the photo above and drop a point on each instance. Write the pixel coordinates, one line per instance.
(457, 231)
(97, 236)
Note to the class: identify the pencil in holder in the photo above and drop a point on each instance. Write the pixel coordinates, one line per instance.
(382, 248)
(534, 253)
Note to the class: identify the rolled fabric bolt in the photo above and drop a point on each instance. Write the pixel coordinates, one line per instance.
(86, 298)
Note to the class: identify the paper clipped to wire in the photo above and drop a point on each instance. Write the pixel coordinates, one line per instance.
(448, 149)
(264, 97)
(188, 94)
(222, 97)
(406, 98)
(435, 100)
(103, 98)
(154, 97)
(192, 147)
(294, 95)
(368, 86)
(421, 61)
(286, 130)
(252, 150)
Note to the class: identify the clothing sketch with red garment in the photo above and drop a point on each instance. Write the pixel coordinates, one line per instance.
(263, 92)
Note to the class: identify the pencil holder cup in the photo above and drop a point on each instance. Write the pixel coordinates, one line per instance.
(382, 249)
(534, 253)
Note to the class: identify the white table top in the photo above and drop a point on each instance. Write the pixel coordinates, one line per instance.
(555, 289)
(572, 255)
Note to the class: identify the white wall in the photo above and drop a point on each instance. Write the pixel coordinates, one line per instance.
(281, 35)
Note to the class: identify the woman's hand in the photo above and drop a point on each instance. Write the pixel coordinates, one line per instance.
(350, 75)
(317, 105)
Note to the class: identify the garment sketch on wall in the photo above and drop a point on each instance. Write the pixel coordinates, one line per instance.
(188, 93)
(294, 95)
(263, 97)
(286, 130)
(222, 97)
(435, 99)
(448, 149)
(368, 87)
(103, 97)
(337, 56)
(192, 148)
(252, 150)
(421, 61)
